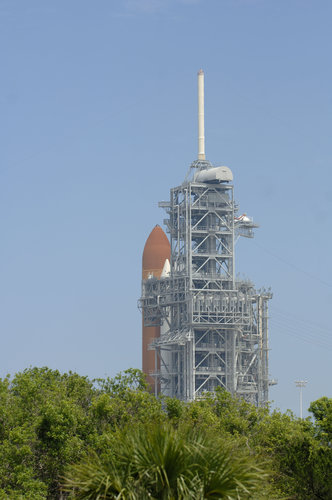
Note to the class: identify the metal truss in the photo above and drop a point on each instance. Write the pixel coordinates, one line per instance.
(214, 329)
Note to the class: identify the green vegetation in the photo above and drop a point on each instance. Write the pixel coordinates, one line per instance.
(64, 436)
(159, 461)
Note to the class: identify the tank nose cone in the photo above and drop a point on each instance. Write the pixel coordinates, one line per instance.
(156, 250)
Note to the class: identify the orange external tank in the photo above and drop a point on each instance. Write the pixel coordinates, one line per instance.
(156, 251)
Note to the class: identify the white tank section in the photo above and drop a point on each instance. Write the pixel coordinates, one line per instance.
(166, 269)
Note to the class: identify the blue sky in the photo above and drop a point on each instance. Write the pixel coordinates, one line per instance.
(98, 122)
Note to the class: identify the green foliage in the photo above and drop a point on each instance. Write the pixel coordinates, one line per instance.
(44, 428)
(158, 461)
(50, 420)
(300, 461)
(173, 408)
(322, 411)
(132, 379)
(297, 456)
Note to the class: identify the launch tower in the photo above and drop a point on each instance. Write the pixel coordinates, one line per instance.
(213, 328)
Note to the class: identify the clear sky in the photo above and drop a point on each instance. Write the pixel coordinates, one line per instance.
(98, 122)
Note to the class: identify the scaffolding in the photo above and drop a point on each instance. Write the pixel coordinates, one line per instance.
(214, 328)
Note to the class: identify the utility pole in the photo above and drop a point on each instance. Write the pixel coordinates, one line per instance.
(301, 384)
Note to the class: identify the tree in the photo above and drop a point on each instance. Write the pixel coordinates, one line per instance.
(294, 449)
(157, 461)
(322, 411)
(49, 419)
(45, 424)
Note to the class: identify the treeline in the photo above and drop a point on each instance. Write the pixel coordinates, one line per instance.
(65, 436)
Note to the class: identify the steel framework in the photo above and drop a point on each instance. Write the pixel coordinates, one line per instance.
(214, 328)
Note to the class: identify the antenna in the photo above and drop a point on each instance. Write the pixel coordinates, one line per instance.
(201, 135)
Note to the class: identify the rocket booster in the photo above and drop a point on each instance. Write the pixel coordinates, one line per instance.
(155, 263)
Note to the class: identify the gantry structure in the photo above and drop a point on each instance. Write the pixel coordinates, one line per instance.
(213, 327)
